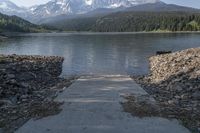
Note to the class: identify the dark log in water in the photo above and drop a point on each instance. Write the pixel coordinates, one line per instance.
(163, 52)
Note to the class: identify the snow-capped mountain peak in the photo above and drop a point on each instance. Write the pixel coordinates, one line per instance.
(67, 7)
(88, 2)
(9, 7)
(136, 2)
(58, 7)
(61, 2)
(3, 5)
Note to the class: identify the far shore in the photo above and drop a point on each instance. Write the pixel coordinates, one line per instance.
(7, 34)
(132, 32)
(2, 37)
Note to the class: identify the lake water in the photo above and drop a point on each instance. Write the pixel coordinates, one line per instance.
(89, 53)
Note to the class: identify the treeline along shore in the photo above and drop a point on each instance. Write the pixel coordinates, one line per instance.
(28, 85)
(130, 21)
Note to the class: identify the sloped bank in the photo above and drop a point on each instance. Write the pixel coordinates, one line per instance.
(174, 81)
(28, 85)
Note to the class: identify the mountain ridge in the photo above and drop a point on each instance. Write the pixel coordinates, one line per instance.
(156, 7)
(17, 24)
(68, 7)
(59, 11)
(93, 22)
(133, 22)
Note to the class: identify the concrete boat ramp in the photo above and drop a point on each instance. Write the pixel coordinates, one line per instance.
(92, 105)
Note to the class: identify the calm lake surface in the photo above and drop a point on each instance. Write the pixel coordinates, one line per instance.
(93, 53)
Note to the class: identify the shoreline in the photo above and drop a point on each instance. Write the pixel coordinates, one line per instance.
(101, 33)
(168, 82)
(139, 32)
(173, 82)
(2, 38)
(28, 86)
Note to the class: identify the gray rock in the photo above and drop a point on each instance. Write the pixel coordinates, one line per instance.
(14, 99)
(11, 76)
(196, 95)
(24, 97)
(177, 87)
(1, 130)
(12, 82)
(25, 85)
(26, 76)
(5, 102)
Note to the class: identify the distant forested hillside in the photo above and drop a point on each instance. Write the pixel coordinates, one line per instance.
(148, 21)
(75, 24)
(16, 24)
(134, 21)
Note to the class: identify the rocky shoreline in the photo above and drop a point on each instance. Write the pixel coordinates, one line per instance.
(174, 81)
(28, 85)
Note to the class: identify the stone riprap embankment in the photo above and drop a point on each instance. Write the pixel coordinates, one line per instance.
(162, 67)
(35, 64)
(174, 81)
(28, 85)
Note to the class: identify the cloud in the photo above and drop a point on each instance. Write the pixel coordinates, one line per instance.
(29, 2)
(191, 3)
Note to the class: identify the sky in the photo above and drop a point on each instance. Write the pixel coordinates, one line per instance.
(190, 3)
(28, 3)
